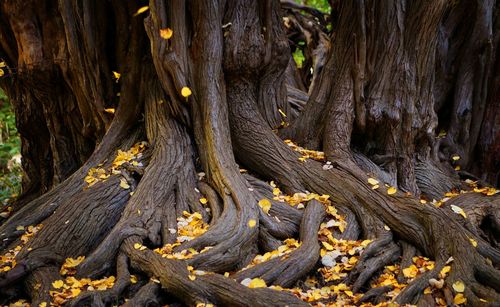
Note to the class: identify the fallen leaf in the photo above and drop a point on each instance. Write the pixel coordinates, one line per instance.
(110, 110)
(137, 245)
(459, 299)
(458, 210)
(373, 181)
(20, 228)
(116, 75)
(252, 223)
(124, 184)
(191, 277)
(473, 242)
(186, 92)
(257, 283)
(203, 200)
(459, 286)
(58, 284)
(265, 204)
(133, 279)
(455, 158)
(141, 10)
(391, 190)
(75, 292)
(166, 33)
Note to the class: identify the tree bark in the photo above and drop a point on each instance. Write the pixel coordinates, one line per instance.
(133, 116)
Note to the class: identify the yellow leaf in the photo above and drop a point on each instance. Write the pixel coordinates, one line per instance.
(257, 283)
(276, 191)
(387, 227)
(455, 158)
(58, 284)
(110, 110)
(457, 168)
(459, 286)
(191, 277)
(75, 292)
(391, 190)
(459, 299)
(327, 245)
(133, 279)
(20, 228)
(265, 204)
(1, 72)
(166, 33)
(458, 210)
(410, 271)
(203, 200)
(2, 64)
(117, 75)
(186, 92)
(372, 181)
(427, 290)
(124, 184)
(252, 223)
(473, 242)
(42, 304)
(141, 10)
(137, 245)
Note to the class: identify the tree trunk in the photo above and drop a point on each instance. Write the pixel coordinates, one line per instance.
(136, 120)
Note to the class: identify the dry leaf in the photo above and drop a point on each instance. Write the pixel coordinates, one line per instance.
(391, 190)
(124, 184)
(58, 284)
(116, 75)
(459, 299)
(186, 92)
(257, 283)
(373, 181)
(459, 286)
(141, 10)
(252, 223)
(110, 110)
(458, 210)
(265, 204)
(203, 200)
(166, 33)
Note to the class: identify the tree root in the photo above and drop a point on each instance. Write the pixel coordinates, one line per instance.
(148, 295)
(209, 288)
(375, 295)
(368, 266)
(104, 298)
(286, 270)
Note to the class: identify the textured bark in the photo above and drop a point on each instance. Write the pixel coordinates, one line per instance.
(373, 94)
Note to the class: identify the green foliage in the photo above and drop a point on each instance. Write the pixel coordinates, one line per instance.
(321, 5)
(298, 56)
(10, 172)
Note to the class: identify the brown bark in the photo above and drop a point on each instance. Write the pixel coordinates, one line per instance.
(382, 86)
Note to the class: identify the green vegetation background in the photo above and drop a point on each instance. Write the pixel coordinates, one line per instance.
(10, 172)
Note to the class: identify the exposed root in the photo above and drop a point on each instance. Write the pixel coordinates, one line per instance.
(286, 270)
(104, 298)
(375, 295)
(409, 252)
(368, 266)
(411, 294)
(148, 295)
(39, 284)
(192, 288)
